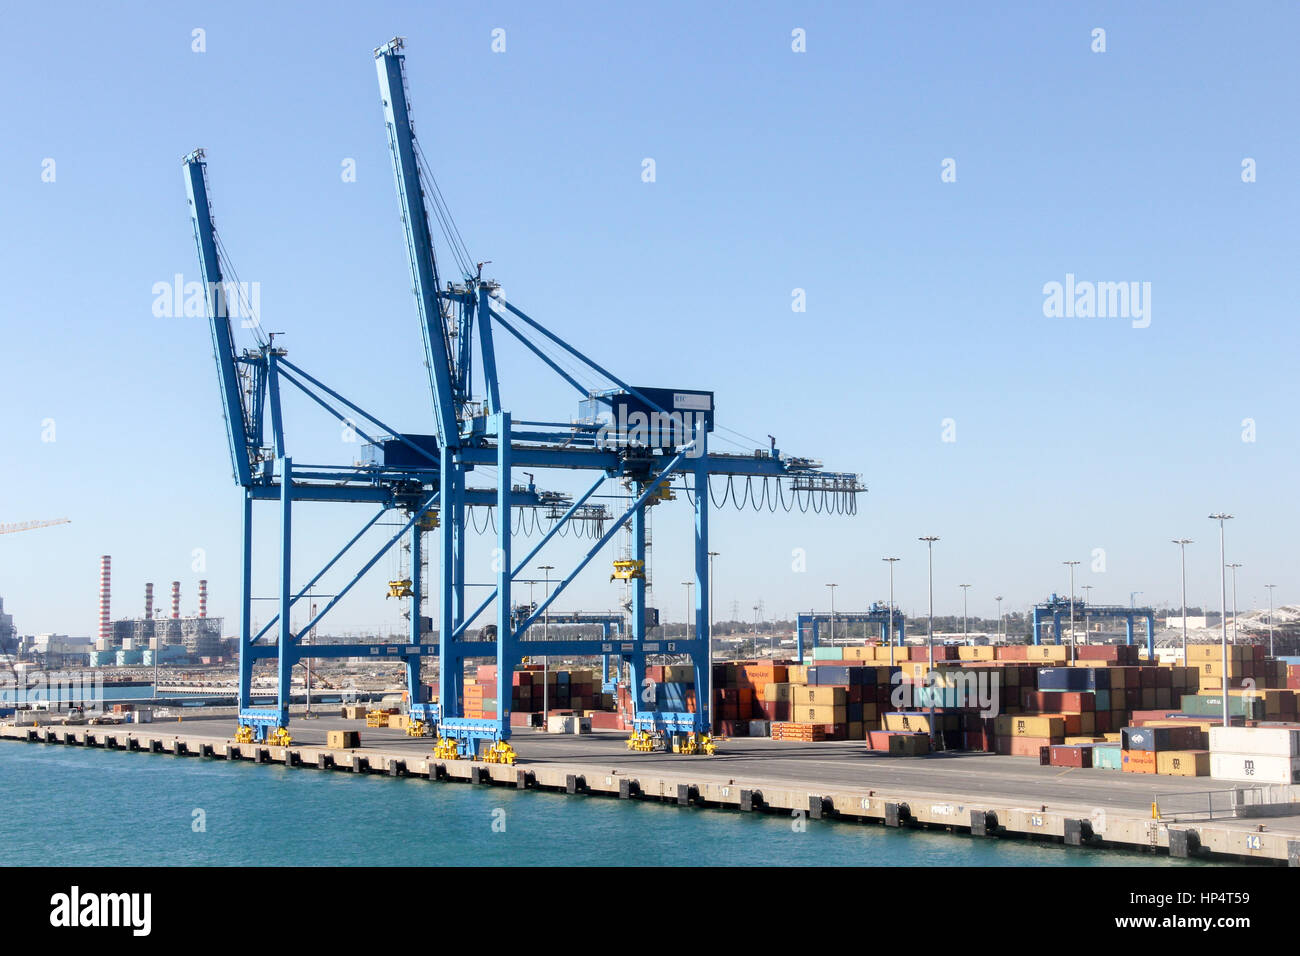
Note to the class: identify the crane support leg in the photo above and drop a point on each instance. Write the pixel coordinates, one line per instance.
(704, 673)
(414, 690)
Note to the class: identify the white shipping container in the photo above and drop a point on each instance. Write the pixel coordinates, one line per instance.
(559, 725)
(1254, 768)
(1260, 741)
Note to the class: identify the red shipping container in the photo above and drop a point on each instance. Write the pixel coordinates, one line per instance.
(1022, 746)
(835, 731)
(1063, 755)
(1064, 702)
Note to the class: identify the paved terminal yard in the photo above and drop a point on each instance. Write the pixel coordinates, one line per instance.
(983, 794)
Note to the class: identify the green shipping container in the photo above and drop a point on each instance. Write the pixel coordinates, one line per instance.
(1211, 705)
(828, 653)
(1106, 757)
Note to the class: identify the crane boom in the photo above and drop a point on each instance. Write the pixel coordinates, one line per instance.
(31, 525)
(390, 64)
(242, 452)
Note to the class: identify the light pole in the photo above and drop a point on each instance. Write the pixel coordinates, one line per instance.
(546, 662)
(712, 555)
(1234, 607)
(832, 587)
(305, 639)
(929, 540)
(965, 633)
(892, 638)
(1221, 517)
(1270, 617)
(1182, 547)
(1071, 564)
(1132, 599)
(1087, 619)
(999, 600)
(687, 635)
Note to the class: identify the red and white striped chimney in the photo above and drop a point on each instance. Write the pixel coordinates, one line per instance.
(176, 600)
(148, 601)
(105, 598)
(203, 598)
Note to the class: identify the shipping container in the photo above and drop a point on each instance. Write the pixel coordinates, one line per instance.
(1028, 725)
(1254, 768)
(1155, 739)
(1183, 763)
(1257, 741)
(1106, 757)
(1138, 761)
(1063, 755)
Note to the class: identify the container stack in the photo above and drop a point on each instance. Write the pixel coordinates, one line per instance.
(1172, 750)
(1255, 754)
(1245, 662)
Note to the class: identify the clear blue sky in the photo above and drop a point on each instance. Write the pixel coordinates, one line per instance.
(776, 170)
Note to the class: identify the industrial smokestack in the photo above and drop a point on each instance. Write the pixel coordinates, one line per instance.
(176, 600)
(148, 601)
(203, 599)
(105, 598)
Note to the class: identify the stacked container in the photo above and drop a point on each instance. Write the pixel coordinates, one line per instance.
(1255, 754)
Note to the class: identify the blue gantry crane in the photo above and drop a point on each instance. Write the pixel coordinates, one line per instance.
(893, 624)
(1057, 607)
(649, 441)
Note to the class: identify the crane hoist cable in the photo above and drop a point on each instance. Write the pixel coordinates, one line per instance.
(228, 267)
(441, 213)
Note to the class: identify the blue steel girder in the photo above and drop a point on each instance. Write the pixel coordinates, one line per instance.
(243, 435)
(390, 65)
(1056, 606)
(810, 622)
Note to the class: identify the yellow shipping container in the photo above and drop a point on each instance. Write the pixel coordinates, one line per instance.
(862, 653)
(397, 721)
(819, 714)
(975, 653)
(1076, 741)
(917, 723)
(1183, 763)
(1215, 668)
(811, 694)
(1199, 653)
(1010, 725)
(778, 692)
(342, 739)
(797, 673)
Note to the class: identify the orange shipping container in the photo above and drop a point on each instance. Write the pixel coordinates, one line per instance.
(1138, 761)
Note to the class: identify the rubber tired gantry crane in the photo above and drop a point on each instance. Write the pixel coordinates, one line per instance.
(643, 438)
